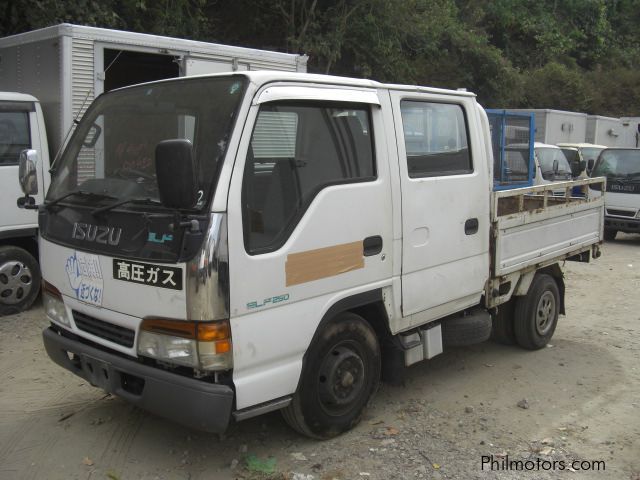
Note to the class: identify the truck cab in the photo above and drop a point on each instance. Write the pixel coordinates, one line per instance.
(21, 128)
(588, 153)
(621, 167)
(551, 165)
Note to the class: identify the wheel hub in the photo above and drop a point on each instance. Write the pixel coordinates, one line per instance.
(340, 379)
(15, 282)
(545, 313)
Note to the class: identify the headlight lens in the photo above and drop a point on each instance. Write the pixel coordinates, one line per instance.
(54, 305)
(181, 351)
(203, 345)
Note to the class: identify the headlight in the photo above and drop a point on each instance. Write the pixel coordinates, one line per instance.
(54, 305)
(202, 345)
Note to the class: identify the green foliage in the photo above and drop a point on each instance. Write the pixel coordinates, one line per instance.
(556, 86)
(568, 54)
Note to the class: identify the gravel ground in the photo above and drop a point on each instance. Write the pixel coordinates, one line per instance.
(579, 399)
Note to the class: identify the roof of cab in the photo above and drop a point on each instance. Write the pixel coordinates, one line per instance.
(16, 97)
(545, 145)
(263, 77)
(581, 145)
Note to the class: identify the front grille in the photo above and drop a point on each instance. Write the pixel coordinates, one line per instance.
(114, 333)
(620, 213)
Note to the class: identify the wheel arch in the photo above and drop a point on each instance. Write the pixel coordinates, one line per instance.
(369, 305)
(26, 242)
(556, 273)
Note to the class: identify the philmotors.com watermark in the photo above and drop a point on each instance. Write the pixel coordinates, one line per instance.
(489, 462)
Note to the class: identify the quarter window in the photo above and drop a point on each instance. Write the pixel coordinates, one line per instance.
(296, 150)
(436, 140)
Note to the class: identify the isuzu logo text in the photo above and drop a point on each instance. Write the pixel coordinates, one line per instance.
(96, 233)
(622, 188)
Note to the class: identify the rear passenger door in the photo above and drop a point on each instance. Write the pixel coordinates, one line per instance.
(445, 187)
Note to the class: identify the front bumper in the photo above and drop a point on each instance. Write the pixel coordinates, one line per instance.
(627, 225)
(194, 403)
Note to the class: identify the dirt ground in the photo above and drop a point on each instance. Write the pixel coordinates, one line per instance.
(578, 399)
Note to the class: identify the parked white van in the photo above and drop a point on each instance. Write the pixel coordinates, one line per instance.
(621, 166)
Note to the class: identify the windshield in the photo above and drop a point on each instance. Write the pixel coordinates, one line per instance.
(590, 153)
(111, 156)
(546, 157)
(618, 163)
(571, 154)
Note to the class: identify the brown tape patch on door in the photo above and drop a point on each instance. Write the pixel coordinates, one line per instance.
(303, 267)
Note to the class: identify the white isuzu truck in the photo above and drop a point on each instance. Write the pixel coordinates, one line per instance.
(263, 240)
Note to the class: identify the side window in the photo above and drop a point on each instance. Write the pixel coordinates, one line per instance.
(14, 136)
(435, 136)
(296, 150)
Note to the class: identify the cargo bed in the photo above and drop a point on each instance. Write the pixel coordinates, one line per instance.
(532, 228)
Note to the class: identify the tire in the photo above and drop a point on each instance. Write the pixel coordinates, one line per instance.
(536, 314)
(19, 280)
(610, 234)
(465, 331)
(341, 374)
(502, 327)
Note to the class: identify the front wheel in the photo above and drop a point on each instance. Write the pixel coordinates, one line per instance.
(342, 372)
(19, 280)
(536, 314)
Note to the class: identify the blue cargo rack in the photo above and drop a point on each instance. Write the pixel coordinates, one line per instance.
(512, 139)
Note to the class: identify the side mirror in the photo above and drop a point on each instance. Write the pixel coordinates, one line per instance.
(583, 165)
(28, 173)
(28, 178)
(590, 165)
(175, 173)
(556, 164)
(92, 136)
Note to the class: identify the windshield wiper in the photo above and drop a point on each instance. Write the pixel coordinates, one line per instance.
(75, 192)
(106, 208)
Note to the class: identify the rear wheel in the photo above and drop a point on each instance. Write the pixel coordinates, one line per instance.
(536, 314)
(610, 234)
(342, 371)
(19, 280)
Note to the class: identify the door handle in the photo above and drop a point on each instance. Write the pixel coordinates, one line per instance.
(471, 226)
(372, 245)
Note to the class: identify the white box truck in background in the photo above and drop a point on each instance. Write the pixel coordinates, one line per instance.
(21, 127)
(65, 67)
(605, 131)
(557, 126)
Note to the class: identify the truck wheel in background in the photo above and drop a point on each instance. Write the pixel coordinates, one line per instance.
(502, 324)
(536, 314)
(610, 234)
(19, 279)
(341, 373)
